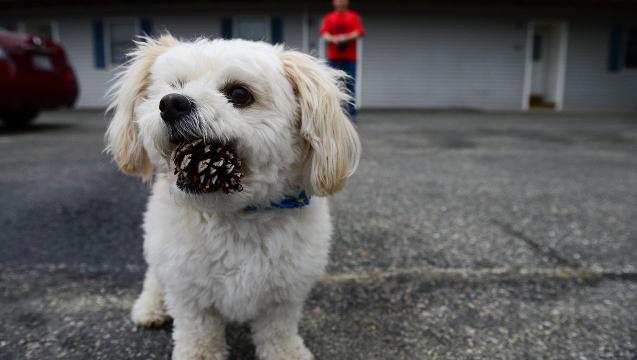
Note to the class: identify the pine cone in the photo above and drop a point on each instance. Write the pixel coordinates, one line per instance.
(206, 168)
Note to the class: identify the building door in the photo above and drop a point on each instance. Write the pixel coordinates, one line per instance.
(540, 91)
(545, 66)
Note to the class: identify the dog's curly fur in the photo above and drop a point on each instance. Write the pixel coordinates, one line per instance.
(208, 260)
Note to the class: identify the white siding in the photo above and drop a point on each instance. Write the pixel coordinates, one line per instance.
(77, 37)
(189, 27)
(292, 31)
(429, 60)
(589, 84)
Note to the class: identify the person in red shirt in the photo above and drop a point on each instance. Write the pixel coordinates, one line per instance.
(341, 28)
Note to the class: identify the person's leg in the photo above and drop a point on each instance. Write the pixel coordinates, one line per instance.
(350, 69)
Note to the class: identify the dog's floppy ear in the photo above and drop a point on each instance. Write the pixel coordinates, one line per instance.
(333, 146)
(122, 136)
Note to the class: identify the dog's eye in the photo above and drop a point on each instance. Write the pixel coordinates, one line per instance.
(239, 96)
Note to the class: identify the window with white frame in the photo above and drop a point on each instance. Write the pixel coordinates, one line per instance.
(119, 35)
(253, 28)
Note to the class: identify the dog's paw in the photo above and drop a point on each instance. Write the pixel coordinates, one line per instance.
(149, 313)
(185, 353)
(301, 353)
(293, 349)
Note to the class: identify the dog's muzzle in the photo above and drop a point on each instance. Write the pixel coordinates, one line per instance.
(176, 111)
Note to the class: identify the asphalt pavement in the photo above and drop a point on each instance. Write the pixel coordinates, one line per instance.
(464, 235)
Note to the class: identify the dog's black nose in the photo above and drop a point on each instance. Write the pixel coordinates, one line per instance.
(174, 106)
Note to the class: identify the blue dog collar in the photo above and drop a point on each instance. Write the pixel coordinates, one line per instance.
(291, 202)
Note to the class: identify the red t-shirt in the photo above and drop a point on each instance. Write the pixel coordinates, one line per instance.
(338, 23)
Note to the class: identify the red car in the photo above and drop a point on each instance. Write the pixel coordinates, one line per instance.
(34, 75)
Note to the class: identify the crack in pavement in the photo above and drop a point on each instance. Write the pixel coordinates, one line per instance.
(535, 246)
(592, 273)
(423, 273)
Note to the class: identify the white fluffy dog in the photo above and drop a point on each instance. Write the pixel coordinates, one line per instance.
(215, 257)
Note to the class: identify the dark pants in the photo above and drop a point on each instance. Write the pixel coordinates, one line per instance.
(349, 67)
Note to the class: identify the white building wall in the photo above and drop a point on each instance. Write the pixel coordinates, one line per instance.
(430, 60)
(589, 84)
(188, 27)
(77, 37)
(293, 30)
(416, 61)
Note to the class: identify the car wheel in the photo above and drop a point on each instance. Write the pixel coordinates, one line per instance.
(19, 118)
